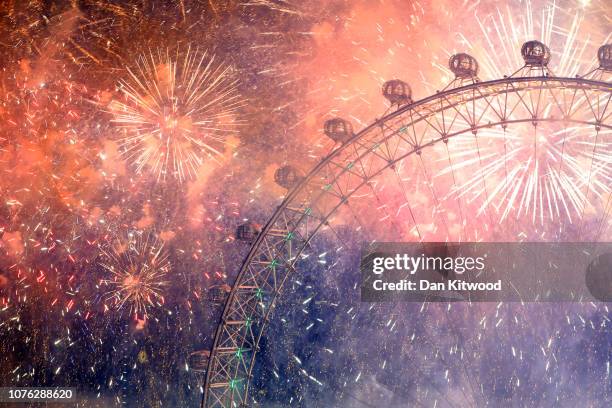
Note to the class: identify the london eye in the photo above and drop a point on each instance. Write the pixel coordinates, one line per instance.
(525, 157)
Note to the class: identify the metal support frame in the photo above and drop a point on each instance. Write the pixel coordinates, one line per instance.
(310, 205)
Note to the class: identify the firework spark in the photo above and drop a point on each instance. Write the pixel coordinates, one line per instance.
(177, 111)
(548, 176)
(543, 172)
(139, 268)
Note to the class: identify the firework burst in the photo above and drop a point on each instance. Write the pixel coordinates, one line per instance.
(177, 111)
(80, 32)
(545, 172)
(138, 268)
(544, 175)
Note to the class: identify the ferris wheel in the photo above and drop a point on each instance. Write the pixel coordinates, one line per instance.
(526, 156)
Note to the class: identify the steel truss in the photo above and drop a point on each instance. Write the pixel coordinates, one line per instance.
(309, 206)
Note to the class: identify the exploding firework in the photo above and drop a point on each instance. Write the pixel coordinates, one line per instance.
(532, 173)
(80, 32)
(543, 172)
(177, 111)
(138, 268)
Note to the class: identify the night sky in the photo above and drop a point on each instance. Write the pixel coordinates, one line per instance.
(135, 136)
